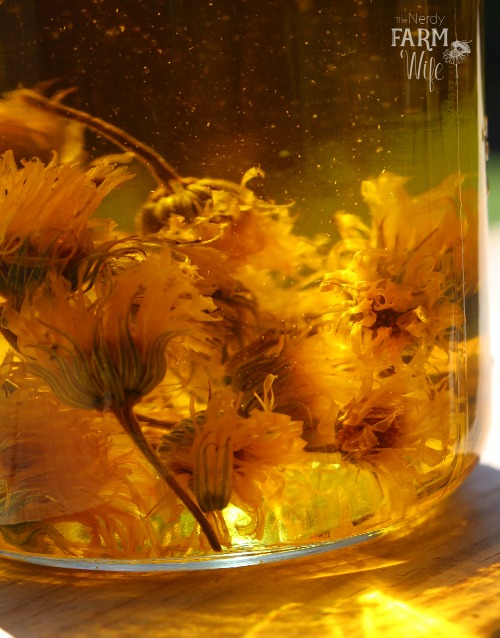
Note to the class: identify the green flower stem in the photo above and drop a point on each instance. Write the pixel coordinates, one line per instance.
(132, 426)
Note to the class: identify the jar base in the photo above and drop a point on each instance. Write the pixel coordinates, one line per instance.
(198, 563)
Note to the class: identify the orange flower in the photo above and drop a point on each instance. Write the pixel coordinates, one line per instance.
(401, 427)
(30, 132)
(401, 273)
(233, 459)
(245, 230)
(108, 353)
(315, 374)
(53, 460)
(44, 215)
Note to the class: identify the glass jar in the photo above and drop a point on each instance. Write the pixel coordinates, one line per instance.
(242, 275)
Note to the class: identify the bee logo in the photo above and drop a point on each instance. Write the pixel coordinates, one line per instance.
(457, 53)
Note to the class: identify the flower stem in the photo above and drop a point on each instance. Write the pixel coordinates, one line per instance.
(132, 426)
(160, 168)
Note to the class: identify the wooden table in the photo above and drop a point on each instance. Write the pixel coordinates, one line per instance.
(441, 580)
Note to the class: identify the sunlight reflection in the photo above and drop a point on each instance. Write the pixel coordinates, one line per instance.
(383, 614)
(355, 566)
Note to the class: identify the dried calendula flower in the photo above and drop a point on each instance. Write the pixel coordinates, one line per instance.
(30, 132)
(236, 459)
(107, 353)
(242, 226)
(314, 374)
(44, 217)
(401, 276)
(120, 518)
(57, 463)
(401, 221)
(400, 427)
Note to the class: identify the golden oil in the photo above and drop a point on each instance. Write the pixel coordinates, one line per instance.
(241, 272)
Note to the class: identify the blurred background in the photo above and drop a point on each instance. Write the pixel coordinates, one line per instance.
(491, 454)
(492, 10)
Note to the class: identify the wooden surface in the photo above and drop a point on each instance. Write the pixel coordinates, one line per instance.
(441, 580)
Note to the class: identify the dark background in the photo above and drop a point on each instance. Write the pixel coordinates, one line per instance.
(492, 28)
(10, 24)
(492, 25)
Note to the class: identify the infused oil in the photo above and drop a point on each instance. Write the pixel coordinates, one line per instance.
(240, 273)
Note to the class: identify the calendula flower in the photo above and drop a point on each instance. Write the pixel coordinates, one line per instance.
(141, 520)
(54, 460)
(235, 303)
(400, 274)
(235, 459)
(400, 428)
(245, 229)
(315, 373)
(400, 221)
(106, 353)
(30, 132)
(72, 482)
(44, 216)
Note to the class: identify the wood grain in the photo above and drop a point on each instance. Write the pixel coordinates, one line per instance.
(442, 580)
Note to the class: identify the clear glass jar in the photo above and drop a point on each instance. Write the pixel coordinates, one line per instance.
(266, 336)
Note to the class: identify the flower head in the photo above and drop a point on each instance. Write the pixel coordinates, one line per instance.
(402, 426)
(236, 459)
(108, 352)
(401, 273)
(53, 460)
(44, 216)
(31, 132)
(314, 373)
(251, 241)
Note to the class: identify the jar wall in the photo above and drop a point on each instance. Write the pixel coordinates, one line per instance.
(277, 338)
